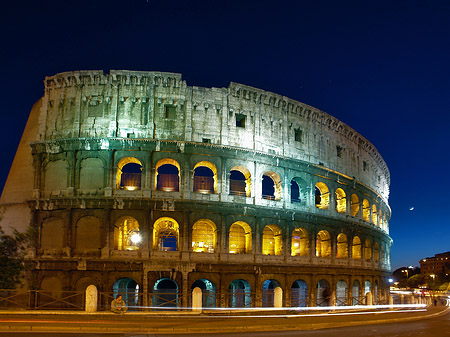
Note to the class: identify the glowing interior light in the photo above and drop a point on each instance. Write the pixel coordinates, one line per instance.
(200, 244)
(135, 238)
(130, 188)
(296, 244)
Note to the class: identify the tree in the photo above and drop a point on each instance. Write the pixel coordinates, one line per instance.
(12, 257)
(416, 280)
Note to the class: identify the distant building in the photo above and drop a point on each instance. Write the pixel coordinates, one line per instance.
(438, 264)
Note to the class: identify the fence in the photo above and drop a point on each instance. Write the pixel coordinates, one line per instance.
(42, 300)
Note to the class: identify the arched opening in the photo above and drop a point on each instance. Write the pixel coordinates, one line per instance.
(295, 192)
(92, 173)
(376, 252)
(240, 181)
(165, 293)
(374, 215)
(367, 250)
(356, 248)
(52, 234)
(129, 290)
(340, 199)
(129, 172)
(208, 292)
(380, 219)
(300, 242)
(355, 293)
(204, 236)
(367, 287)
(299, 294)
(322, 196)
(323, 294)
(323, 244)
(272, 240)
(366, 210)
(165, 234)
(342, 246)
(239, 294)
(341, 293)
(240, 241)
(354, 205)
(271, 186)
(268, 292)
(168, 178)
(88, 234)
(126, 234)
(205, 178)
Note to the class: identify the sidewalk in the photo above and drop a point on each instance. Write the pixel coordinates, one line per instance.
(191, 322)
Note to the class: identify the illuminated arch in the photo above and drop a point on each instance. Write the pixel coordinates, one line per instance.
(240, 238)
(126, 233)
(169, 182)
(341, 293)
(380, 219)
(342, 246)
(356, 248)
(367, 250)
(204, 236)
(271, 186)
(376, 252)
(340, 200)
(323, 244)
(366, 210)
(204, 184)
(300, 242)
(240, 185)
(354, 205)
(165, 234)
(272, 240)
(322, 196)
(128, 181)
(374, 215)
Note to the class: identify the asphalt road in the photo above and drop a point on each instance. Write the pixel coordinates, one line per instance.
(433, 327)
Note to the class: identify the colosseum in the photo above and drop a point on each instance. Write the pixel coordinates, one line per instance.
(142, 185)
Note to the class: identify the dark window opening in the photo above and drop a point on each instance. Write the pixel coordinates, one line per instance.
(170, 112)
(131, 177)
(298, 135)
(240, 121)
(268, 188)
(203, 180)
(167, 240)
(237, 183)
(364, 166)
(339, 151)
(206, 140)
(168, 178)
(295, 192)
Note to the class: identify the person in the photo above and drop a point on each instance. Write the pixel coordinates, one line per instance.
(118, 305)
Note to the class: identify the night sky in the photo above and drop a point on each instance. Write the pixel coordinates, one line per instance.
(382, 67)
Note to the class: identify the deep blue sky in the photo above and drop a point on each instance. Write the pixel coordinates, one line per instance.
(382, 67)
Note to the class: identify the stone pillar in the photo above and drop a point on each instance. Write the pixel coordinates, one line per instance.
(197, 299)
(91, 298)
(278, 298)
(185, 293)
(369, 298)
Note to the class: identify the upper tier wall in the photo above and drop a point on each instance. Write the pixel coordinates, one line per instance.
(156, 105)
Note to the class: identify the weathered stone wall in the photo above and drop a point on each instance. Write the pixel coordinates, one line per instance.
(152, 105)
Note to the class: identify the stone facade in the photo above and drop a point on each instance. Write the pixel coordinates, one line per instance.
(238, 191)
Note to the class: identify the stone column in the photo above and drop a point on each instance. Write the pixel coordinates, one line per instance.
(91, 298)
(197, 299)
(278, 298)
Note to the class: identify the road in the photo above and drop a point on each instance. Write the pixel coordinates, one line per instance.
(432, 327)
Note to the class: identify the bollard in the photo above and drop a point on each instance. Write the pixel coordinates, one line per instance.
(91, 298)
(197, 299)
(402, 299)
(391, 301)
(278, 297)
(369, 300)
